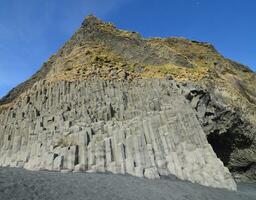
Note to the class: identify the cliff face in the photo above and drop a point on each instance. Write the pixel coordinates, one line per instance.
(110, 100)
(144, 128)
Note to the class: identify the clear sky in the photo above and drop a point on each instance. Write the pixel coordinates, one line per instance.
(32, 30)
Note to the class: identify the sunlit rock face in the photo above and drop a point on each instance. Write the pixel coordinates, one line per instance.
(111, 101)
(143, 128)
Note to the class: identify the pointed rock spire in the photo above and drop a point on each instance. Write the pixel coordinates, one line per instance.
(91, 20)
(92, 23)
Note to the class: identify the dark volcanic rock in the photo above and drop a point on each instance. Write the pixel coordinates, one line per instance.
(231, 136)
(51, 103)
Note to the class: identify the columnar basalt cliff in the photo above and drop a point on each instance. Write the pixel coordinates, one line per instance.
(110, 100)
(143, 128)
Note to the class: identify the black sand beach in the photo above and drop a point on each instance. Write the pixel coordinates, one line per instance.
(20, 184)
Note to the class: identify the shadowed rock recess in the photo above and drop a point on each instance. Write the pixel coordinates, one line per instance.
(111, 101)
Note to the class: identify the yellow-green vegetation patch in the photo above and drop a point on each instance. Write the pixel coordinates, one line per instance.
(179, 73)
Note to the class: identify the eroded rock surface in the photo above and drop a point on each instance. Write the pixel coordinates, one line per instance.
(144, 128)
(230, 134)
(111, 100)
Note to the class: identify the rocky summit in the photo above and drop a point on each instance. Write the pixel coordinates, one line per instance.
(111, 101)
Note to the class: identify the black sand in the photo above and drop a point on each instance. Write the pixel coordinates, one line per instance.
(19, 184)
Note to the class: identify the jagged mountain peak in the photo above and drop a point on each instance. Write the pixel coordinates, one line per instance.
(91, 19)
(91, 22)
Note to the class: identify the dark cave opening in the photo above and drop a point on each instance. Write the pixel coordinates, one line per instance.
(222, 144)
(225, 143)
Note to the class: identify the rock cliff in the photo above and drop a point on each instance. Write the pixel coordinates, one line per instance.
(110, 100)
(145, 128)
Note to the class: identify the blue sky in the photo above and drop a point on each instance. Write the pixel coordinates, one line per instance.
(32, 30)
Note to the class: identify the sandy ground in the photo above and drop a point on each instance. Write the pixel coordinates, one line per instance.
(19, 184)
